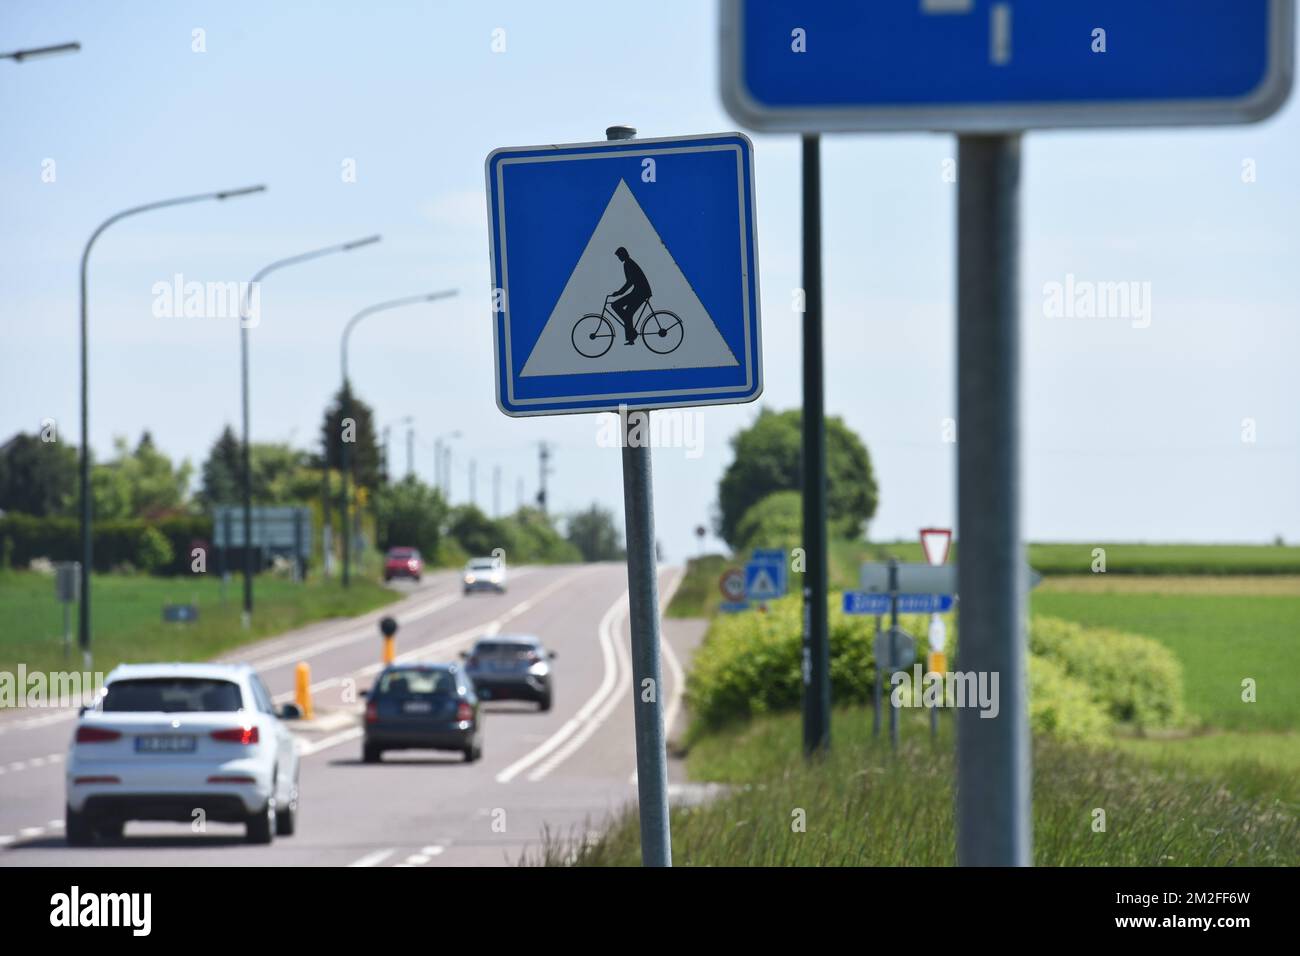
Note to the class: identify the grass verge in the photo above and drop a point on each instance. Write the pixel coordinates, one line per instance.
(128, 623)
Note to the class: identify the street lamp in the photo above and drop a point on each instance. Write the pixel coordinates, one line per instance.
(442, 463)
(36, 52)
(346, 409)
(243, 355)
(87, 549)
(388, 468)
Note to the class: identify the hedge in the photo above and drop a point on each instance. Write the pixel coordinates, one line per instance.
(1083, 680)
(161, 546)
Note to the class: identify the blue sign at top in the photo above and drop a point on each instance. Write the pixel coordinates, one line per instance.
(1003, 65)
(625, 274)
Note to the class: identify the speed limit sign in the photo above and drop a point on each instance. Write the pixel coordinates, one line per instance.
(733, 584)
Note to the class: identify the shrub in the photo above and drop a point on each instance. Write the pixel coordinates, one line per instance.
(1063, 707)
(774, 522)
(1136, 680)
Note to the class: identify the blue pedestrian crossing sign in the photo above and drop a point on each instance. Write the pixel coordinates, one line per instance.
(765, 580)
(1003, 65)
(625, 275)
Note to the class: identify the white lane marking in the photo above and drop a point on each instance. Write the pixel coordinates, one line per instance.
(624, 666)
(607, 685)
(6, 839)
(31, 763)
(373, 859)
(27, 723)
(417, 859)
(18, 765)
(433, 850)
(674, 665)
(37, 762)
(31, 831)
(624, 686)
(55, 824)
(307, 748)
(356, 634)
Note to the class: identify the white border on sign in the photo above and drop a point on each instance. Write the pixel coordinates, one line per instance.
(609, 149)
(1259, 104)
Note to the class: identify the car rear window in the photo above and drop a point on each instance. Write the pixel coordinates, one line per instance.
(411, 683)
(171, 695)
(484, 565)
(400, 552)
(502, 648)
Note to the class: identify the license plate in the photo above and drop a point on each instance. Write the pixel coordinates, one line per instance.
(417, 707)
(165, 744)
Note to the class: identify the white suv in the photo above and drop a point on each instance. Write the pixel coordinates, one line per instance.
(485, 574)
(182, 742)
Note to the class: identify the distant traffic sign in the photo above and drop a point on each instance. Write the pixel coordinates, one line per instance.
(999, 66)
(625, 274)
(764, 581)
(935, 543)
(732, 584)
(864, 602)
(895, 649)
(913, 578)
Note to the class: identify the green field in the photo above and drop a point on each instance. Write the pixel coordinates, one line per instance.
(128, 622)
(863, 806)
(1220, 639)
(1065, 558)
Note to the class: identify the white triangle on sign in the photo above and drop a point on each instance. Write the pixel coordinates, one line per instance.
(764, 586)
(598, 273)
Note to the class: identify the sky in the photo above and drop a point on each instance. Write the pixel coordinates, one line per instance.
(1178, 424)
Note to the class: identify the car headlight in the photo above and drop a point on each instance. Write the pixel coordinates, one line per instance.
(469, 579)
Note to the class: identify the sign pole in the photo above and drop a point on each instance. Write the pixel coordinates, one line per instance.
(643, 601)
(875, 719)
(893, 638)
(816, 639)
(993, 777)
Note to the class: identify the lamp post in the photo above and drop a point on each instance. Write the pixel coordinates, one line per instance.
(18, 56)
(388, 467)
(442, 463)
(346, 407)
(87, 548)
(247, 616)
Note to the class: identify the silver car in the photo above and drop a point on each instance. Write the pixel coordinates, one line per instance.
(511, 667)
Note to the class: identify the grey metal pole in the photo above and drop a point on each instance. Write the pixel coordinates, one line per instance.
(87, 530)
(643, 601)
(880, 683)
(893, 643)
(345, 527)
(994, 826)
(816, 636)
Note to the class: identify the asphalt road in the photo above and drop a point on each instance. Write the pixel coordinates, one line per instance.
(564, 771)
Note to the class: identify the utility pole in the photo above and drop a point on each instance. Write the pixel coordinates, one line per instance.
(410, 450)
(473, 482)
(544, 469)
(519, 492)
(496, 491)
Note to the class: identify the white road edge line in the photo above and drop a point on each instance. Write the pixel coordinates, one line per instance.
(373, 859)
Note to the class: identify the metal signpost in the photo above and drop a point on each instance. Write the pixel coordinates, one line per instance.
(1007, 67)
(625, 278)
(67, 588)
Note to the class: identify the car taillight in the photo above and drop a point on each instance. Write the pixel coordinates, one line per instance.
(237, 735)
(464, 711)
(96, 735)
(372, 712)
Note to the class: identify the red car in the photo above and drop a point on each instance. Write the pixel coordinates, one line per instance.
(403, 563)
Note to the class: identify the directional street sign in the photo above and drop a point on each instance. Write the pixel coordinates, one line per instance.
(915, 578)
(1003, 65)
(625, 274)
(864, 602)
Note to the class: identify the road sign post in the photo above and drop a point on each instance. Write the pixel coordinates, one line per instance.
(816, 637)
(625, 279)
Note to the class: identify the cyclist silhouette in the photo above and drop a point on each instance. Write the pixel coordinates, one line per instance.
(634, 293)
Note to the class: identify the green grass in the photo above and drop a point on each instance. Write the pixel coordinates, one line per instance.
(1219, 639)
(698, 594)
(128, 622)
(1236, 755)
(1064, 558)
(863, 806)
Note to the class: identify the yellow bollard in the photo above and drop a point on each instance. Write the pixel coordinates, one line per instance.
(302, 690)
(388, 628)
(936, 662)
(390, 652)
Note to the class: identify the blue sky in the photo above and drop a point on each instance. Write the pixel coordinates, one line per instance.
(1130, 433)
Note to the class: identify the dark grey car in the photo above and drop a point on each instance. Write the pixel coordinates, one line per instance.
(511, 667)
(422, 707)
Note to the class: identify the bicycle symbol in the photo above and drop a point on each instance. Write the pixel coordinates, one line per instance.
(661, 331)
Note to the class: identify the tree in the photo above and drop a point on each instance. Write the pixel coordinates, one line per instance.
(139, 484)
(768, 458)
(595, 534)
(363, 452)
(774, 522)
(412, 514)
(37, 477)
(223, 471)
(534, 538)
(477, 533)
